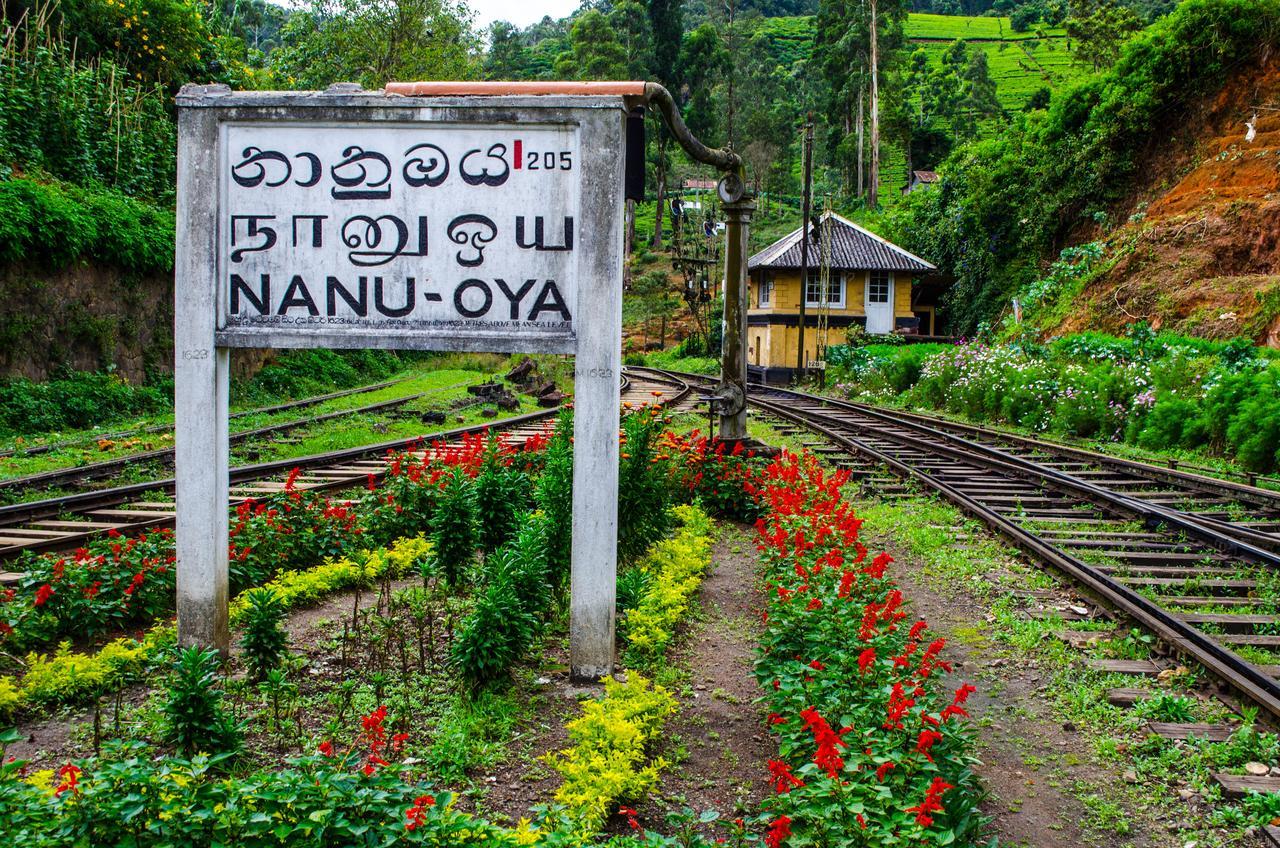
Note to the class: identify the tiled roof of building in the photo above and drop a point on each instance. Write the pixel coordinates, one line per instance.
(925, 176)
(852, 249)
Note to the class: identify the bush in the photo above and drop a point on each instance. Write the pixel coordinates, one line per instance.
(78, 401)
(642, 491)
(670, 574)
(607, 762)
(553, 493)
(453, 528)
(264, 640)
(194, 717)
(502, 493)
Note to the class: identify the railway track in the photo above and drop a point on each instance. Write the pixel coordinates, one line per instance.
(62, 523)
(76, 476)
(36, 450)
(1178, 554)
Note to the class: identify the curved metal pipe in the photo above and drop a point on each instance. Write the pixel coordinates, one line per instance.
(722, 157)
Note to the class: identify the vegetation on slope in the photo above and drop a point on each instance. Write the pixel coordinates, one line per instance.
(1006, 201)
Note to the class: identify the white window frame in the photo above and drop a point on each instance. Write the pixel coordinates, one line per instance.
(764, 297)
(887, 277)
(836, 285)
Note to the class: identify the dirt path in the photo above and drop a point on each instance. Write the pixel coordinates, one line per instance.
(719, 730)
(1036, 768)
(716, 746)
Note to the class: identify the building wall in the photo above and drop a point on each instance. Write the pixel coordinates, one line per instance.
(776, 345)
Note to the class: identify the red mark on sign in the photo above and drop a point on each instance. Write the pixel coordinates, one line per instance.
(519, 152)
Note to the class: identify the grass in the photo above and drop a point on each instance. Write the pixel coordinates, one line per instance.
(442, 385)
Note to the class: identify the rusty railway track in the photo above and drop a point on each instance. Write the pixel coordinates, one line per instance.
(1189, 558)
(77, 476)
(62, 523)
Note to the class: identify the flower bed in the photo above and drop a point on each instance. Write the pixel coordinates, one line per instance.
(65, 677)
(873, 749)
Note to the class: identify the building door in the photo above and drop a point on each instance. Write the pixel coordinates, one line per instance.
(878, 302)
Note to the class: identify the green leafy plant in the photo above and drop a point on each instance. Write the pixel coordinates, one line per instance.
(453, 528)
(264, 639)
(194, 716)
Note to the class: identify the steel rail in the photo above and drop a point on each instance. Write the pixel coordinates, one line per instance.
(1157, 473)
(109, 467)
(1218, 539)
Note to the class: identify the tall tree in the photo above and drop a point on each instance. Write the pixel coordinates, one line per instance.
(703, 62)
(666, 26)
(1099, 28)
(630, 23)
(594, 51)
(376, 41)
(508, 57)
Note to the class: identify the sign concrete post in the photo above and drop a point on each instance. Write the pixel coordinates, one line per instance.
(423, 217)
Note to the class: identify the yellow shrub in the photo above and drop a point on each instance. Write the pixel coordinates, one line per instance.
(8, 697)
(296, 588)
(676, 567)
(607, 762)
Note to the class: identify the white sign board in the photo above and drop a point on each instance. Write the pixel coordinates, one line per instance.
(353, 219)
(401, 230)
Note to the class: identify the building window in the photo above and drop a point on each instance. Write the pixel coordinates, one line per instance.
(878, 286)
(766, 290)
(835, 290)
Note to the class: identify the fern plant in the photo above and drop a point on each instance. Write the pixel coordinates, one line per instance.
(264, 639)
(194, 717)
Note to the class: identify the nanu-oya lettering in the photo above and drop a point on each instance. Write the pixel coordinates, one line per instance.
(530, 300)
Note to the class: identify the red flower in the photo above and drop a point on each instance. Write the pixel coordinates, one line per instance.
(827, 756)
(814, 604)
(70, 775)
(774, 718)
(817, 665)
(43, 594)
(783, 779)
(866, 659)
(416, 813)
(778, 831)
(326, 748)
(847, 579)
(925, 742)
(931, 802)
(883, 770)
(632, 821)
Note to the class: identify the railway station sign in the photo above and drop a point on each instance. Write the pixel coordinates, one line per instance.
(431, 216)
(408, 232)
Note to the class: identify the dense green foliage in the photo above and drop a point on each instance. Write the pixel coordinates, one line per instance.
(53, 224)
(453, 529)
(1158, 391)
(80, 400)
(1008, 200)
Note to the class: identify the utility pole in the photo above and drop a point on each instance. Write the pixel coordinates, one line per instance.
(804, 237)
(873, 190)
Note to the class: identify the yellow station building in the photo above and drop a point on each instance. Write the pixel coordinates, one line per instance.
(869, 282)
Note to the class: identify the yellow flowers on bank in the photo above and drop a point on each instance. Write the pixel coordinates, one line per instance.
(675, 567)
